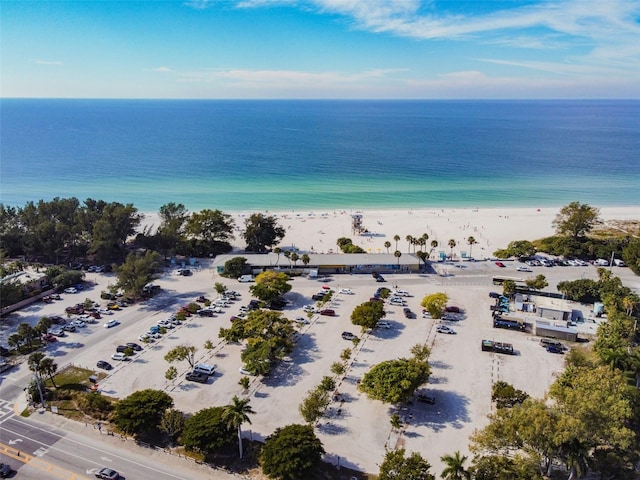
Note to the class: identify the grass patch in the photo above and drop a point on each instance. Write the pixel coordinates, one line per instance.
(25, 413)
(75, 378)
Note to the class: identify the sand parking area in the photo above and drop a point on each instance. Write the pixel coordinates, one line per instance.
(355, 430)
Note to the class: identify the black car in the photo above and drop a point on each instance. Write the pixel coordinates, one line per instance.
(205, 312)
(318, 296)
(121, 348)
(104, 365)
(408, 313)
(426, 399)
(5, 470)
(197, 377)
(134, 346)
(107, 474)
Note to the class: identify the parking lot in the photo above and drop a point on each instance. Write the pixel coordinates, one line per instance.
(355, 430)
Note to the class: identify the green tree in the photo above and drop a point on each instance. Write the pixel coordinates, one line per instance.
(181, 353)
(237, 413)
(506, 395)
(397, 466)
(499, 467)
(435, 304)
(337, 368)
(396, 238)
(409, 240)
(27, 333)
(291, 453)
(35, 365)
(367, 314)
(454, 469)
(235, 267)
(270, 285)
(172, 423)
(471, 241)
(387, 245)
(314, 404)
(420, 352)
(537, 283)
(136, 272)
(576, 220)
(396, 421)
(141, 412)
(452, 244)
(220, 288)
(171, 232)
(49, 368)
(207, 431)
(395, 381)
(305, 259)
(508, 288)
(397, 254)
(262, 232)
(244, 382)
(211, 229)
(171, 373)
(43, 325)
(517, 248)
(631, 255)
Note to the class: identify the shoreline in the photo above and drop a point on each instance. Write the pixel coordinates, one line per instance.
(316, 231)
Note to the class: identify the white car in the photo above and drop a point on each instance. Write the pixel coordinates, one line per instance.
(119, 356)
(244, 371)
(111, 323)
(400, 293)
(165, 324)
(524, 269)
(301, 320)
(309, 309)
(78, 324)
(383, 324)
(71, 290)
(105, 311)
(346, 291)
(445, 329)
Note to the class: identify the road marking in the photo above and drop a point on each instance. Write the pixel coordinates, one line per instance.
(41, 452)
(13, 442)
(40, 464)
(106, 459)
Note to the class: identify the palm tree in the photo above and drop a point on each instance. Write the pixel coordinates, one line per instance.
(397, 239)
(409, 240)
(422, 241)
(387, 245)
(397, 254)
(452, 244)
(277, 251)
(287, 255)
(49, 368)
(630, 303)
(236, 414)
(294, 259)
(305, 259)
(434, 245)
(471, 241)
(455, 467)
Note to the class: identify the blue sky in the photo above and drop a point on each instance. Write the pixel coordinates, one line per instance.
(418, 49)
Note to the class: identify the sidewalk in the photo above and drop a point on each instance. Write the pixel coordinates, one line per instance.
(174, 462)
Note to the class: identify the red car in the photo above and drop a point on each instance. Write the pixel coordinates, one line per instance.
(327, 312)
(500, 264)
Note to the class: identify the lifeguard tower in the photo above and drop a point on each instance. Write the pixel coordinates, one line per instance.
(356, 224)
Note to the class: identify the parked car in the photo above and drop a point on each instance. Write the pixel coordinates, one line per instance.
(383, 324)
(48, 337)
(452, 309)
(524, 269)
(494, 295)
(111, 323)
(244, 371)
(121, 348)
(328, 312)
(205, 312)
(552, 348)
(318, 296)
(71, 290)
(197, 377)
(500, 264)
(348, 336)
(5, 470)
(58, 332)
(69, 328)
(301, 320)
(346, 291)
(104, 365)
(309, 309)
(134, 346)
(445, 329)
(107, 474)
(430, 399)
(408, 313)
(78, 324)
(119, 356)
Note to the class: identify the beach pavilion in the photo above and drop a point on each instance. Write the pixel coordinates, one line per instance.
(328, 263)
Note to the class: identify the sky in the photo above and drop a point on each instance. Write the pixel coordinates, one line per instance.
(320, 49)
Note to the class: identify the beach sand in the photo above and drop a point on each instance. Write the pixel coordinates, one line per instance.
(492, 228)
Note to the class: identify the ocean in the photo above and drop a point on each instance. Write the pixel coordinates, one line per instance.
(291, 155)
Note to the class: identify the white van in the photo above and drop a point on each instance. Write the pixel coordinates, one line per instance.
(245, 278)
(619, 263)
(601, 262)
(204, 368)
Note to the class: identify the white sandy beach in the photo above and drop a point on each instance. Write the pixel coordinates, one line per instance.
(492, 228)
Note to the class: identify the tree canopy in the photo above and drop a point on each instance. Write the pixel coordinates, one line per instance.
(207, 431)
(395, 381)
(398, 466)
(435, 304)
(136, 272)
(261, 232)
(142, 411)
(367, 314)
(181, 353)
(270, 285)
(291, 453)
(576, 220)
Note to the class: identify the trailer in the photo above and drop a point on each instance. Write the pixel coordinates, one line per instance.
(497, 347)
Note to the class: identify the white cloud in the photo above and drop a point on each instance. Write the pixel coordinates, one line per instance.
(161, 70)
(48, 62)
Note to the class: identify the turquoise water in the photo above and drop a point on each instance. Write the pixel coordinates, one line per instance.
(284, 155)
